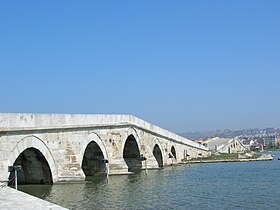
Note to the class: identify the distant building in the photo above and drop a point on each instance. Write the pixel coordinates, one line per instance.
(248, 143)
(277, 141)
(225, 145)
(271, 141)
(252, 144)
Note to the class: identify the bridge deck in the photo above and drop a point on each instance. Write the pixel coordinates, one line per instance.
(24, 121)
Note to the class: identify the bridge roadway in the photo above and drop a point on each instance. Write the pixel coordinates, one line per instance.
(69, 147)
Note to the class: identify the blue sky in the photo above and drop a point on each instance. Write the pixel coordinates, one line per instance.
(183, 65)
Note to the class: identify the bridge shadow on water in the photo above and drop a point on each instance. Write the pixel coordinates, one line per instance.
(95, 189)
(238, 185)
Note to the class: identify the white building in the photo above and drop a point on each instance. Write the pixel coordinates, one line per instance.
(225, 145)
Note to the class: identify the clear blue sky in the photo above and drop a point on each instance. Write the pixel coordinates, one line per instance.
(183, 65)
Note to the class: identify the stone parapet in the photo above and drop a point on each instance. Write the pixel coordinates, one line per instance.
(27, 122)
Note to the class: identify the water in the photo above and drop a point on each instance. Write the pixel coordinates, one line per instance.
(236, 185)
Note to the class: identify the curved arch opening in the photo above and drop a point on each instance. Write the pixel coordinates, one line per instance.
(131, 155)
(158, 155)
(35, 168)
(173, 151)
(93, 164)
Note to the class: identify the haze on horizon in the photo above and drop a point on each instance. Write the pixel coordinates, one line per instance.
(183, 65)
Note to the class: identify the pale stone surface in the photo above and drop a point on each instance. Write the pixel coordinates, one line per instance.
(13, 199)
(225, 145)
(16, 120)
(63, 139)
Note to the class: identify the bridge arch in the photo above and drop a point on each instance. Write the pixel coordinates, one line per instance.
(173, 152)
(131, 132)
(131, 151)
(36, 160)
(93, 152)
(158, 153)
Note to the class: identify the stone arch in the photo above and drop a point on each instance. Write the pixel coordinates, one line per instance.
(94, 149)
(131, 152)
(129, 132)
(38, 148)
(173, 152)
(158, 153)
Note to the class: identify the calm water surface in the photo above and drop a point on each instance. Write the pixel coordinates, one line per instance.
(241, 185)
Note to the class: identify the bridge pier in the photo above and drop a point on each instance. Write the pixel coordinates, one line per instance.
(118, 167)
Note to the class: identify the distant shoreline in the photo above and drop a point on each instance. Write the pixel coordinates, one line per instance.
(263, 157)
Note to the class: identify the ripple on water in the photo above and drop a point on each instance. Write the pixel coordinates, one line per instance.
(249, 185)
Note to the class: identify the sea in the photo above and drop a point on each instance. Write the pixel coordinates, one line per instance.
(227, 185)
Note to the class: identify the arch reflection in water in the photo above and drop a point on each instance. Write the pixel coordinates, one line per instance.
(198, 186)
(35, 168)
(40, 191)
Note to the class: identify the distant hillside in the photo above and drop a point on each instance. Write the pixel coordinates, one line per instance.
(205, 134)
(229, 133)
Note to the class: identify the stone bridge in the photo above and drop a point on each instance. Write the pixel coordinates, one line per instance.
(69, 147)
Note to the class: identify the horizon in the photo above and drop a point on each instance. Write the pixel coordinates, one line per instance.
(202, 131)
(184, 66)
